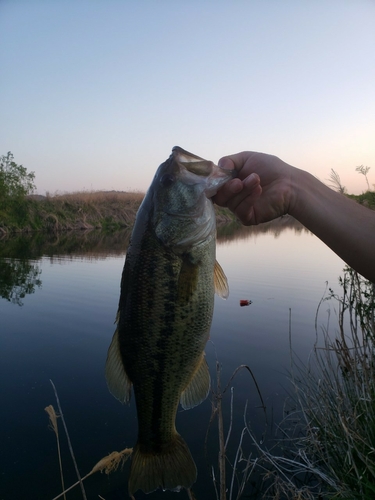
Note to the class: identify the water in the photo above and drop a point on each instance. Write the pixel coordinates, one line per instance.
(60, 296)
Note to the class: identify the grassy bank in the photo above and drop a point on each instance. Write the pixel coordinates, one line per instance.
(326, 447)
(106, 210)
(367, 199)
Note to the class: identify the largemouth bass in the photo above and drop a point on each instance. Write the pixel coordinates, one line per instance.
(164, 316)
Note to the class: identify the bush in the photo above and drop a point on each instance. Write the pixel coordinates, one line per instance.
(15, 182)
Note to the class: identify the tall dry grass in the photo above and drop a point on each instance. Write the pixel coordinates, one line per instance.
(80, 197)
(88, 209)
(328, 435)
(107, 464)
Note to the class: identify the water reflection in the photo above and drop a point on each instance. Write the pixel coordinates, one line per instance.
(19, 254)
(236, 231)
(63, 331)
(18, 278)
(87, 244)
(97, 244)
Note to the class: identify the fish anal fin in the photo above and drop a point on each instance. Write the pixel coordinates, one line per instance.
(171, 469)
(118, 382)
(220, 281)
(198, 387)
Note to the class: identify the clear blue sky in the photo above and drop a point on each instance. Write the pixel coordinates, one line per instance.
(94, 94)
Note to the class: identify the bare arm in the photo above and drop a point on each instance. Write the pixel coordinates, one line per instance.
(267, 188)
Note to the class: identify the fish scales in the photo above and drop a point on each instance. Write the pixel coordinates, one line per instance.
(164, 317)
(168, 353)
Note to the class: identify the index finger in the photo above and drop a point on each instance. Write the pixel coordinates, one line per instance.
(236, 161)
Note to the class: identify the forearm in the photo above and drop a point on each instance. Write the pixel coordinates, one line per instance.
(345, 226)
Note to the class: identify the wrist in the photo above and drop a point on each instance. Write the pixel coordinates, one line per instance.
(300, 189)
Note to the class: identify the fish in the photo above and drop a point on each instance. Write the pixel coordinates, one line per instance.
(164, 316)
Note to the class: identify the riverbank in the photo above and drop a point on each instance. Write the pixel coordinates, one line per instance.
(105, 210)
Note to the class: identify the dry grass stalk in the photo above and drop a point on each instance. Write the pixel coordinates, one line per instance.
(239, 478)
(111, 462)
(330, 433)
(191, 494)
(98, 197)
(108, 464)
(53, 423)
(69, 443)
(221, 459)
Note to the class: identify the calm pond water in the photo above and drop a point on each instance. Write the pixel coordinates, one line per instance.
(59, 300)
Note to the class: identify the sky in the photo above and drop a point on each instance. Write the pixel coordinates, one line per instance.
(94, 94)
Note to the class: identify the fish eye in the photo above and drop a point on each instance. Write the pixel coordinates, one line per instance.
(167, 180)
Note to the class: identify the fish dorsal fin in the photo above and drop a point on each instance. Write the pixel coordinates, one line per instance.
(220, 281)
(198, 387)
(118, 382)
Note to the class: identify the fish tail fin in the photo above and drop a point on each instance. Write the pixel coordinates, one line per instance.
(171, 469)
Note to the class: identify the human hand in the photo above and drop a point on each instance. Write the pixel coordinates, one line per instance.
(261, 192)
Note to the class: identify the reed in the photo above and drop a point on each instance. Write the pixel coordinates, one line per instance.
(234, 470)
(329, 430)
(53, 425)
(109, 210)
(107, 464)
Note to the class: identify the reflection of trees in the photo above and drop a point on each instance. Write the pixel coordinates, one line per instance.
(87, 244)
(236, 231)
(19, 254)
(18, 278)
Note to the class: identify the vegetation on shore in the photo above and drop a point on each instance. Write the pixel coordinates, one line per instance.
(22, 211)
(106, 210)
(367, 198)
(109, 210)
(326, 449)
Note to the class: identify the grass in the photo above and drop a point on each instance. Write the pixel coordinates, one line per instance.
(327, 444)
(328, 433)
(87, 210)
(107, 464)
(106, 210)
(367, 199)
(81, 210)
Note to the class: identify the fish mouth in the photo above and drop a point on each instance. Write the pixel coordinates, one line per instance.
(214, 175)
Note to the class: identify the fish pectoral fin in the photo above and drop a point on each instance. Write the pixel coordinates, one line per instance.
(220, 281)
(118, 382)
(198, 387)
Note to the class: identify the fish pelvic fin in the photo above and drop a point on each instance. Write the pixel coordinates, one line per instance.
(220, 281)
(118, 382)
(171, 469)
(198, 388)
